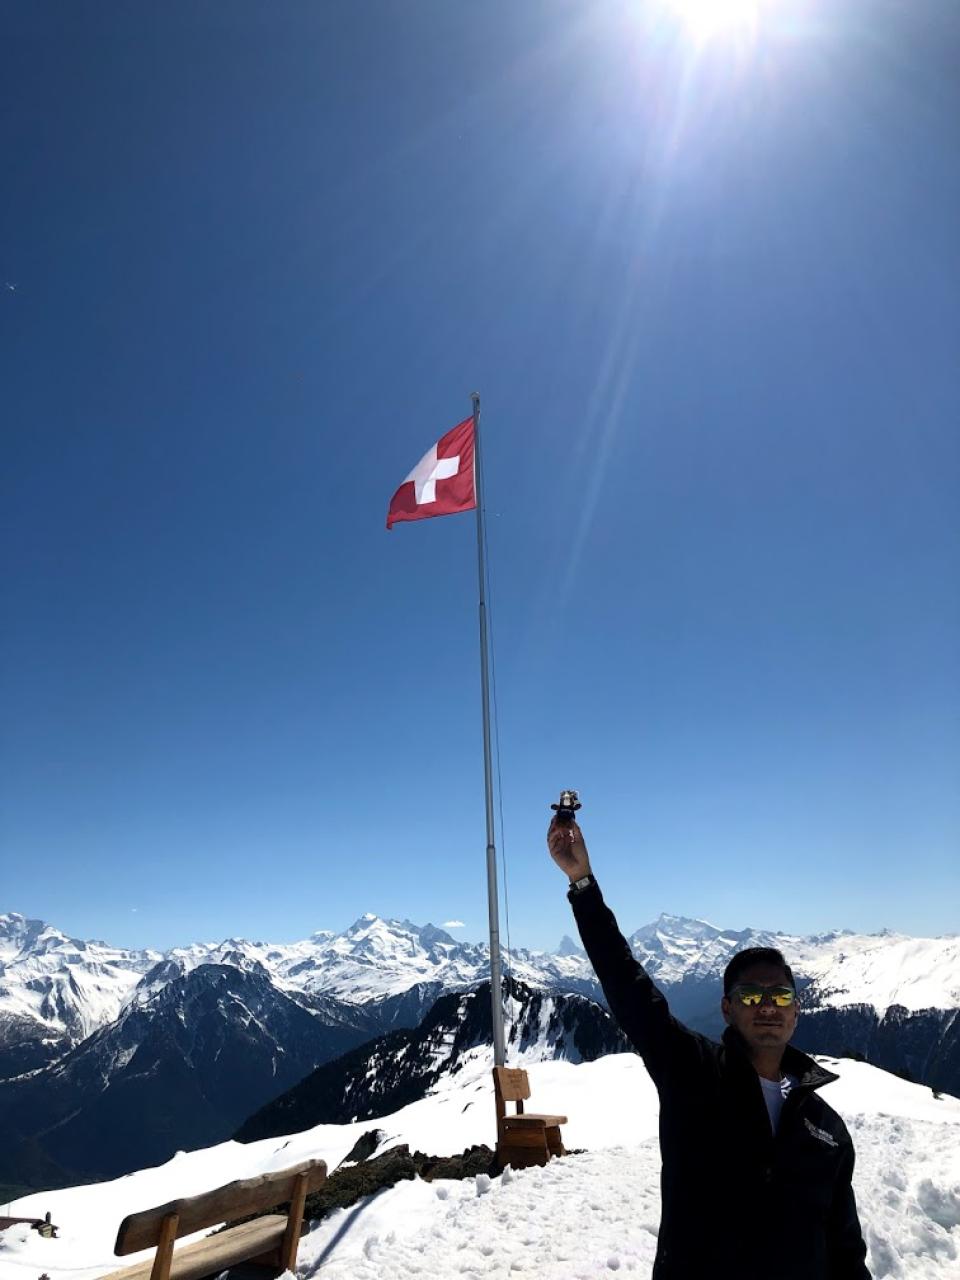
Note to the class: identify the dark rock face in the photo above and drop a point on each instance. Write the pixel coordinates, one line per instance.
(376, 1017)
(26, 1045)
(922, 1046)
(175, 1073)
(399, 1068)
(578, 1028)
(406, 1009)
(346, 1186)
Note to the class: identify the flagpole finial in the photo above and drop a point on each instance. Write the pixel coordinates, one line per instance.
(475, 397)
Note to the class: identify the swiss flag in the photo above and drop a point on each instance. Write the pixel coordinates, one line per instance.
(441, 484)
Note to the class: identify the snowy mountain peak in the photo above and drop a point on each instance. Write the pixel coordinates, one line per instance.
(373, 936)
(671, 926)
(674, 947)
(14, 925)
(20, 936)
(65, 988)
(371, 927)
(568, 947)
(431, 935)
(362, 924)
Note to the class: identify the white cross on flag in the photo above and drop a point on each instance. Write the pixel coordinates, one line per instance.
(441, 484)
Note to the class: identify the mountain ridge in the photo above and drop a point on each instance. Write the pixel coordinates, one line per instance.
(401, 1067)
(163, 1074)
(73, 985)
(204, 1036)
(887, 998)
(56, 990)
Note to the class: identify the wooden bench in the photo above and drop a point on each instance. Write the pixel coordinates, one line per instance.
(42, 1225)
(523, 1138)
(268, 1243)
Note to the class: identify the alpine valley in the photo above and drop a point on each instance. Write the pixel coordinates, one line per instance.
(114, 1059)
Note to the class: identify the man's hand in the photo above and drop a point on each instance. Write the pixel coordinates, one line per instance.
(567, 848)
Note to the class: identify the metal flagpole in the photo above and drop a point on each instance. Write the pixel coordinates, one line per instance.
(499, 1044)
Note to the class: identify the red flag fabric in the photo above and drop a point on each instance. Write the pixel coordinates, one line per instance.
(441, 484)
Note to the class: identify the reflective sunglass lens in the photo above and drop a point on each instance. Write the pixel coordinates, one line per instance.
(750, 997)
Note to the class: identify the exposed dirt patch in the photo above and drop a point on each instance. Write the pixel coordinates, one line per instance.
(351, 1182)
(347, 1185)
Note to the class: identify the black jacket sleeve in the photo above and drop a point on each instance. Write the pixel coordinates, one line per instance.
(846, 1248)
(669, 1050)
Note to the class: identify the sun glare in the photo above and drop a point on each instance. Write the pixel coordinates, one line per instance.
(708, 18)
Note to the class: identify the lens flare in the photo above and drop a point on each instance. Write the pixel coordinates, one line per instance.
(707, 19)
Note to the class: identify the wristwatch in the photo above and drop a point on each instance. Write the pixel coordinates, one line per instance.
(577, 886)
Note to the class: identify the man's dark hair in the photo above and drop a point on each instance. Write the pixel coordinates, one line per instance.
(750, 956)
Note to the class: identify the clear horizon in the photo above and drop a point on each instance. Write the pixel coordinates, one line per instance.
(253, 260)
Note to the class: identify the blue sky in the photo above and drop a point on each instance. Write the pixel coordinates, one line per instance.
(707, 289)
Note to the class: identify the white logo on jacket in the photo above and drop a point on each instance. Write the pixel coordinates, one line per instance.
(822, 1134)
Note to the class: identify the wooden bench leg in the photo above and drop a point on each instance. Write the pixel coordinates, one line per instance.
(164, 1255)
(291, 1239)
(523, 1148)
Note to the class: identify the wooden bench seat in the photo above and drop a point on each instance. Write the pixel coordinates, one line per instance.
(249, 1241)
(531, 1120)
(524, 1138)
(269, 1243)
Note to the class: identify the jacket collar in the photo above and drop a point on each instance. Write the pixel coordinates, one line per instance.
(809, 1074)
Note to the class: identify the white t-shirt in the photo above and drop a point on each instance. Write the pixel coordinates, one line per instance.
(775, 1094)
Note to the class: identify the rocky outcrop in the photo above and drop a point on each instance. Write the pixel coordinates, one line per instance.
(379, 1078)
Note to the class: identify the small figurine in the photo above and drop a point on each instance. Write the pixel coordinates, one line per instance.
(569, 804)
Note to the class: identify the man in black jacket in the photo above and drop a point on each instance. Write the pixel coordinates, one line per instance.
(757, 1168)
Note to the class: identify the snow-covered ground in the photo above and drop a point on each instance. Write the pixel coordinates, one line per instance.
(583, 1216)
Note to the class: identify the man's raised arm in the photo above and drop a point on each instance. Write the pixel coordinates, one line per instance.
(640, 1009)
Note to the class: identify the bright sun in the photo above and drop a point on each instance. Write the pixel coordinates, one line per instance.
(708, 18)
